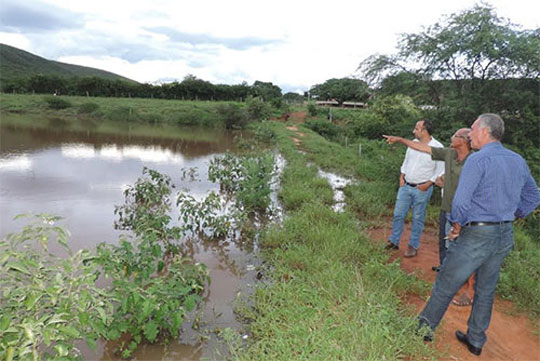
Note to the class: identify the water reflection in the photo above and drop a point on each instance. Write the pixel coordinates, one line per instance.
(16, 163)
(149, 154)
(82, 175)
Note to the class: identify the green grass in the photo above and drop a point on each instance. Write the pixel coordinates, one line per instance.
(174, 112)
(331, 295)
(520, 275)
(324, 300)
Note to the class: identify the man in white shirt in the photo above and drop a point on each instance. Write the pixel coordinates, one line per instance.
(418, 174)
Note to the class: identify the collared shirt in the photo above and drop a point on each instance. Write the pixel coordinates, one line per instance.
(452, 170)
(418, 166)
(495, 185)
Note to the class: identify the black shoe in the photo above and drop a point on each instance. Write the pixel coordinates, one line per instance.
(463, 339)
(391, 246)
(436, 268)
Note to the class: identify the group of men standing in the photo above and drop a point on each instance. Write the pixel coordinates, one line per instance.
(483, 193)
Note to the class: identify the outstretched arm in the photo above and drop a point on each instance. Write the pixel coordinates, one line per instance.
(421, 147)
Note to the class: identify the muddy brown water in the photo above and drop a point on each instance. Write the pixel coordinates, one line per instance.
(81, 176)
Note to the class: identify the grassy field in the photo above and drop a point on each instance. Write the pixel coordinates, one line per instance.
(117, 109)
(328, 291)
(323, 299)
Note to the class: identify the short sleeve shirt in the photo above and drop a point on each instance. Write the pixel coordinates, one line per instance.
(452, 170)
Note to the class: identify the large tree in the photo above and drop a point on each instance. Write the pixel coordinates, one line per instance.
(345, 89)
(469, 63)
(265, 90)
(474, 44)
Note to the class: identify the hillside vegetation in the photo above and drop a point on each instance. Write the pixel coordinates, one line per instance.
(16, 64)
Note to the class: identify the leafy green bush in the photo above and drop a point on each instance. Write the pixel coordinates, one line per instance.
(257, 109)
(153, 297)
(233, 116)
(367, 124)
(87, 108)
(152, 118)
(399, 112)
(312, 109)
(204, 218)
(324, 127)
(146, 207)
(248, 178)
(153, 285)
(47, 302)
(57, 103)
(122, 114)
(264, 134)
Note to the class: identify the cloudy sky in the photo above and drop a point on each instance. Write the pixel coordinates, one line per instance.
(293, 44)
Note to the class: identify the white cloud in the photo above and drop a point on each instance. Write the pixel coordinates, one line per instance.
(292, 43)
(17, 40)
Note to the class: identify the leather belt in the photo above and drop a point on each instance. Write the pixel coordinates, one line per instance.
(486, 223)
(414, 185)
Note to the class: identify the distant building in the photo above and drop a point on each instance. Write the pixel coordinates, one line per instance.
(354, 105)
(327, 103)
(335, 103)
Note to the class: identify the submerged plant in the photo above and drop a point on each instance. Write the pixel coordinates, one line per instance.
(147, 206)
(47, 302)
(152, 284)
(248, 178)
(205, 217)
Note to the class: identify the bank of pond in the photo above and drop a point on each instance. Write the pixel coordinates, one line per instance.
(193, 214)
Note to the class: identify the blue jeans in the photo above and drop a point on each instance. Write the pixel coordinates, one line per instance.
(408, 197)
(479, 249)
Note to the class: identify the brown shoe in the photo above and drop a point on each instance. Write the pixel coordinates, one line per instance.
(410, 252)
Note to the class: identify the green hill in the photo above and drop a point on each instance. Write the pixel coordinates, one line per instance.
(16, 64)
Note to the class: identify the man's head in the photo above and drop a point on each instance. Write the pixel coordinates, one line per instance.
(487, 128)
(423, 129)
(461, 138)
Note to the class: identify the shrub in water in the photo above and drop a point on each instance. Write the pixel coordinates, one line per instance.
(47, 303)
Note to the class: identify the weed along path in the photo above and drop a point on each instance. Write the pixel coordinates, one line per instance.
(511, 336)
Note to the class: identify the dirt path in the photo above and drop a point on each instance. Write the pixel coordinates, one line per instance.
(510, 335)
(298, 117)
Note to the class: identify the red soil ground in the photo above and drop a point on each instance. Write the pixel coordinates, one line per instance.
(511, 336)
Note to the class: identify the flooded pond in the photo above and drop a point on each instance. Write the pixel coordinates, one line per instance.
(81, 176)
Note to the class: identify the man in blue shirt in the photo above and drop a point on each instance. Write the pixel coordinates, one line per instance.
(494, 188)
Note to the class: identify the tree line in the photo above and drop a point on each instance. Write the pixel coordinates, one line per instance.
(191, 88)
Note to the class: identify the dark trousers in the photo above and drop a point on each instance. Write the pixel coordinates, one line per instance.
(442, 234)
